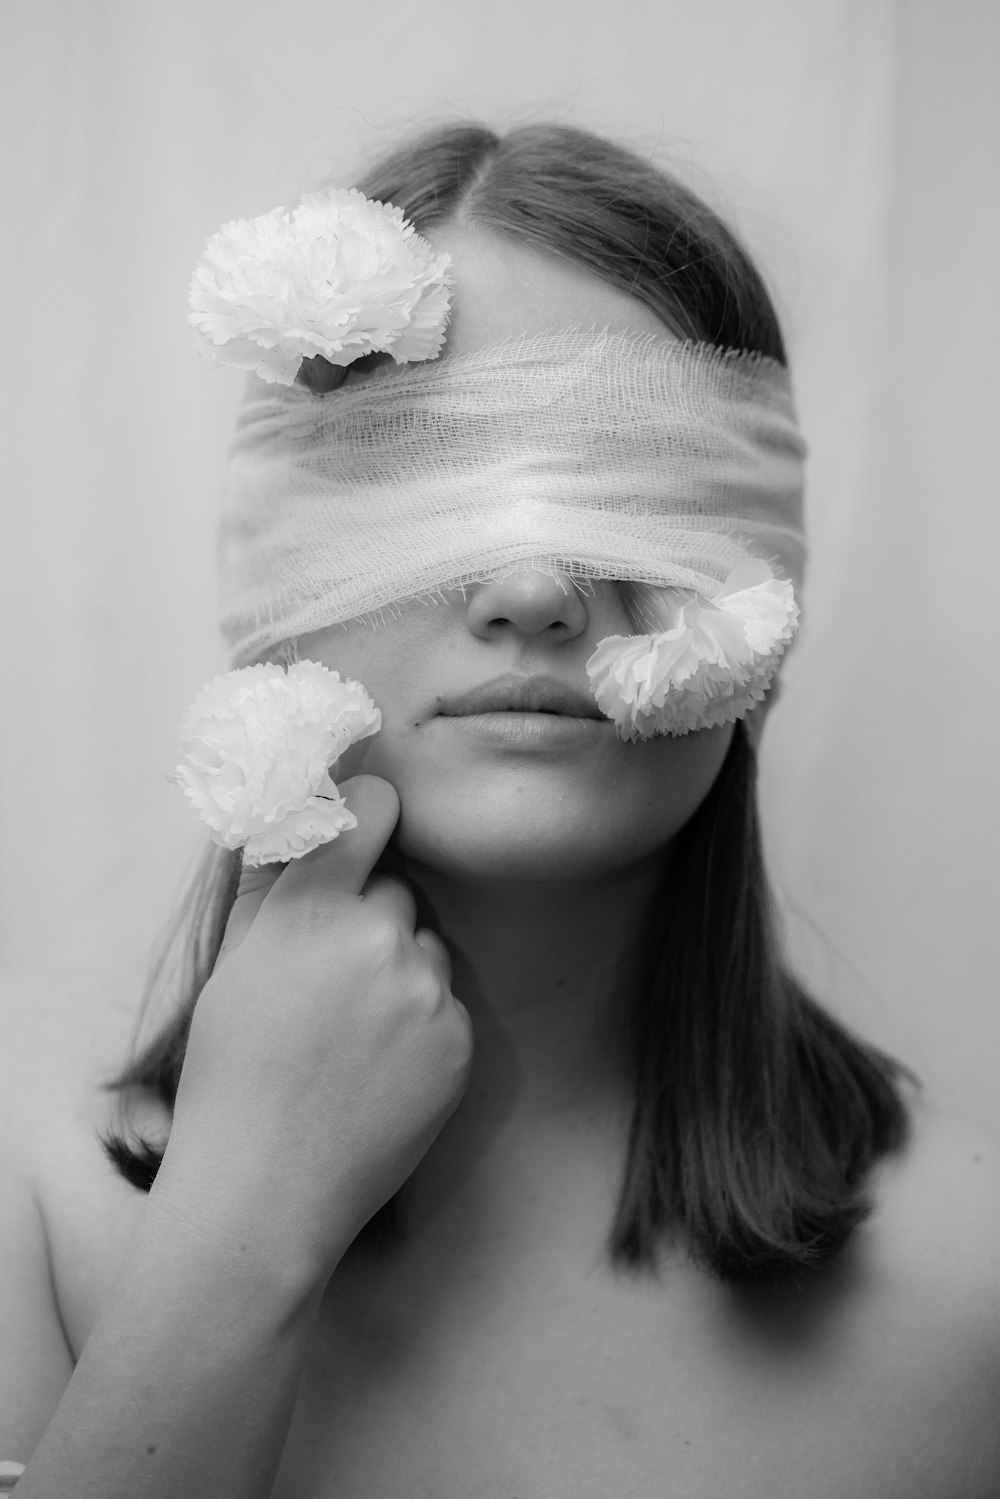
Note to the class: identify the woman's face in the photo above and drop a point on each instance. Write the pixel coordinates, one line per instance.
(528, 782)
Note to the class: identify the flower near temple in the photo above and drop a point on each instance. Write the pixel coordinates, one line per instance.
(714, 662)
(257, 746)
(337, 277)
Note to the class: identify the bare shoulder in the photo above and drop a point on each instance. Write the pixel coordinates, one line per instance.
(938, 1200)
(929, 1318)
(62, 1037)
(44, 1030)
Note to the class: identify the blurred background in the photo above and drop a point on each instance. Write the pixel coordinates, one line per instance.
(852, 143)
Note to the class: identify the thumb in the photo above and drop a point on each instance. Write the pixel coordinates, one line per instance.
(255, 882)
(344, 864)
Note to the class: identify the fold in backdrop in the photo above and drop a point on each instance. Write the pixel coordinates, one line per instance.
(853, 143)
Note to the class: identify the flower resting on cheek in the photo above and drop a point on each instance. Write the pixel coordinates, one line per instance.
(339, 276)
(709, 668)
(257, 745)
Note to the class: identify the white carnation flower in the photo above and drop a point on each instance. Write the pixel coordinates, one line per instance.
(338, 276)
(708, 669)
(257, 747)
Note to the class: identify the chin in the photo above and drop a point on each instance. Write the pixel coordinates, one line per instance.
(534, 850)
(546, 819)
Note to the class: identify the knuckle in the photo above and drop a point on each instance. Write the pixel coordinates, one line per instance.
(427, 989)
(459, 1035)
(383, 942)
(463, 1029)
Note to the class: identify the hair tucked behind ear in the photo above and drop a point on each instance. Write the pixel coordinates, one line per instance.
(756, 1115)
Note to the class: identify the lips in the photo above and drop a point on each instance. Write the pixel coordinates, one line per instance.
(515, 694)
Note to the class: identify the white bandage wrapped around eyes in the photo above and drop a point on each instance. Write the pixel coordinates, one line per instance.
(643, 459)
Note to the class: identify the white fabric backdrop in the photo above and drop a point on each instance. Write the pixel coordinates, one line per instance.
(854, 144)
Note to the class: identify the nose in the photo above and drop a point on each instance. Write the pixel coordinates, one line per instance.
(529, 601)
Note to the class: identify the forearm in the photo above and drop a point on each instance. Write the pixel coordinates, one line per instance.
(186, 1386)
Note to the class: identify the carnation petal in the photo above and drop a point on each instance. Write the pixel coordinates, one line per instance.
(257, 745)
(318, 822)
(339, 275)
(709, 668)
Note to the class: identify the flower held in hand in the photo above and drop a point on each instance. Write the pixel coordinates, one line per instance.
(257, 746)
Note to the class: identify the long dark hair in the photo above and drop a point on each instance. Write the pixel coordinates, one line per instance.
(757, 1116)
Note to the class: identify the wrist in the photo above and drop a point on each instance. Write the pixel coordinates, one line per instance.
(253, 1230)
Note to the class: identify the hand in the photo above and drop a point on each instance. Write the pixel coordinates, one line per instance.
(325, 1052)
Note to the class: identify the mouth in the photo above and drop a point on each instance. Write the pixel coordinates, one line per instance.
(515, 694)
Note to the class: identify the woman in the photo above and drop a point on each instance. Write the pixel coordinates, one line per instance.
(504, 1157)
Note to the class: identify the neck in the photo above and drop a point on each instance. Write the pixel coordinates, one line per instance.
(546, 971)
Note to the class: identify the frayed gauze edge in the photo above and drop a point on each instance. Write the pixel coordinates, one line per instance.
(632, 457)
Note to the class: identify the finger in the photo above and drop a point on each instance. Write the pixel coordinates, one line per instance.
(376, 806)
(257, 879)
(436, 951)
(342, 866)
(255, 883)
(392, 897)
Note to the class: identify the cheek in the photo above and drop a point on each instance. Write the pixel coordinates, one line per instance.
(386, 661)
(657, 788)
(678, 773)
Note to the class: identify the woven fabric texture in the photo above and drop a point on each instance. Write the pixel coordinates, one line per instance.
(610, 456)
